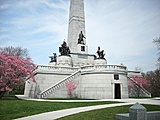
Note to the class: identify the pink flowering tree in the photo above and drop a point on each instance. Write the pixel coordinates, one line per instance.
(138, 83)
(14, 71)
(71, 87)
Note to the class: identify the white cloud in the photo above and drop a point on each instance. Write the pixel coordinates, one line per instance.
(124, 29)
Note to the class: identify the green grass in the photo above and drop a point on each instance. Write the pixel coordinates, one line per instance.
(106, 114)
(11, 108)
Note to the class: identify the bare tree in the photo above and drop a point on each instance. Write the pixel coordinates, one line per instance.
(138, 68)
(154, 77)
(157, 42)
(16, 51)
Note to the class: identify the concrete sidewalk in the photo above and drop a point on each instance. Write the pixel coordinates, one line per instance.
(150, 101)
(62, 113)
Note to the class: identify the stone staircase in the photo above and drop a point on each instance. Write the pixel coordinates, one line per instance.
(144, 91)
(59, 84)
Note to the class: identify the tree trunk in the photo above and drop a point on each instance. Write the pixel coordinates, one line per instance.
(2, 93)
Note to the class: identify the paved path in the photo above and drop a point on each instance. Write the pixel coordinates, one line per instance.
(141, 101)
(62, 113)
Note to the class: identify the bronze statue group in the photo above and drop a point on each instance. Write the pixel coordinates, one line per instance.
(64, 49)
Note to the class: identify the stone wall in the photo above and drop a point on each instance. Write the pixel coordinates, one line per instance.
(61, 92)
(96, 86)
(80, 60)
(43, 81)
(100, 85)
(94, 82)
(93, 86)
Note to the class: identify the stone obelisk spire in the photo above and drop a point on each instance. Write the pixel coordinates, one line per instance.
(76, 24)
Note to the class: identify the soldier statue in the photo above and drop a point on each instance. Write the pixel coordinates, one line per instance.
(64, 49)
(53, 58)
(80, 39)
(100, 53)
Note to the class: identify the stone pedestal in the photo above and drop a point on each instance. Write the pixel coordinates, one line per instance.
(137, 112)
(79, 59)
(100, 62)
(64, 61)
(52, 64)
(82, 48)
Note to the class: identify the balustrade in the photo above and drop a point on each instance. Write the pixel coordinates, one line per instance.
(104, 67)
(72, 69)
(55, 68)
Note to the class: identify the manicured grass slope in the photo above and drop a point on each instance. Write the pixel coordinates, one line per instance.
(11, 109)
(106, 114)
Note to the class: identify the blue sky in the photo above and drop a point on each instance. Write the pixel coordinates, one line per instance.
(125, 29)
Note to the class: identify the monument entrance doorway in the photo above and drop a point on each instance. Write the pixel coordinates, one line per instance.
(117, 91)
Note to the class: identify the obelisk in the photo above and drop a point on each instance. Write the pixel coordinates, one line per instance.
(76, 25)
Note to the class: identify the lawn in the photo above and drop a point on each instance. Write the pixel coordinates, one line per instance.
(11, 107)
(105, 114)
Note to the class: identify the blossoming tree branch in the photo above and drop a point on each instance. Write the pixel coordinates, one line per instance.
(14, 71)
(71, 87)
(137, 83)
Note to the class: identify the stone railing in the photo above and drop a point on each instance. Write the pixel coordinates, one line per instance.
(85, 68)
(142, 88)
(105, 67)
(134, 73)
(56, 68)
(59, 84)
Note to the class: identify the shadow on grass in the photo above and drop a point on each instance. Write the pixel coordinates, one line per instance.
(9, 97)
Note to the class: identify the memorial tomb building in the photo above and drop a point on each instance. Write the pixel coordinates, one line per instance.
(88, 75)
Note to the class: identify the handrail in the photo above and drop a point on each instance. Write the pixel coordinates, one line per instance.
(58, 84)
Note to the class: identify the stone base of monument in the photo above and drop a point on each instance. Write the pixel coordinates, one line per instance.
(82, 48)
(52, 64)
(64, 61)
(100, 62)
